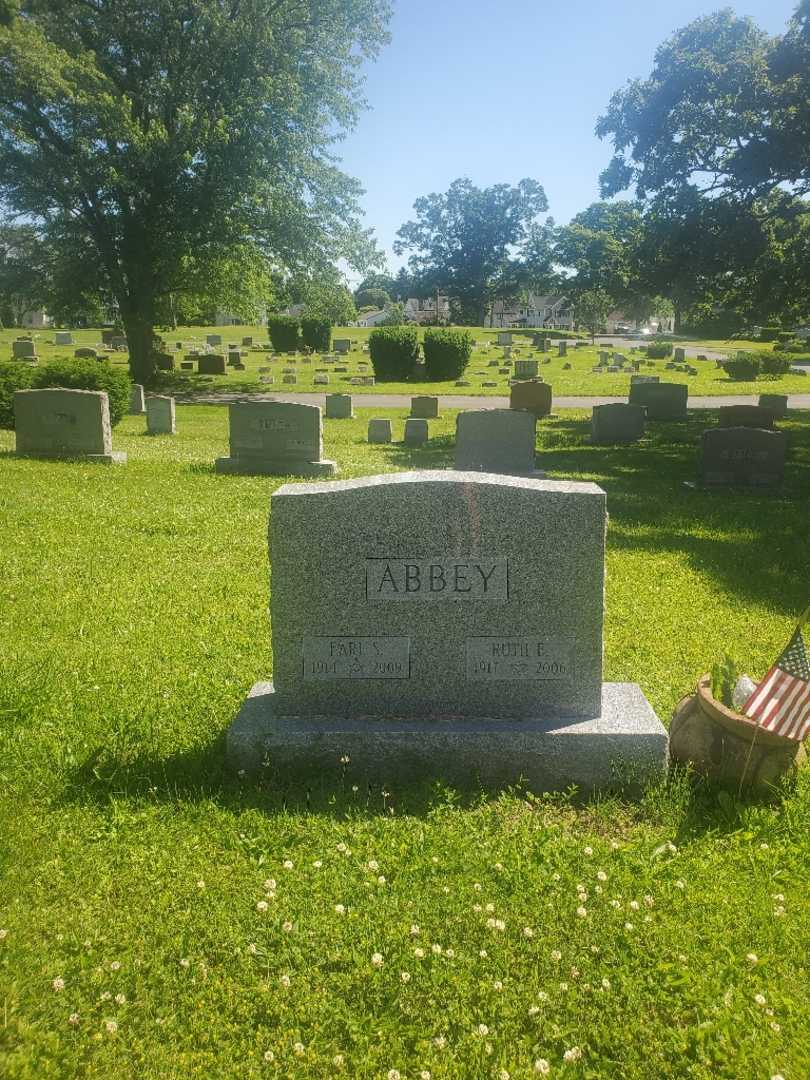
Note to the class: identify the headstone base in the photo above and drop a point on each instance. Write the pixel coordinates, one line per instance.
(117, 457)
(249, 467)
(626, 744)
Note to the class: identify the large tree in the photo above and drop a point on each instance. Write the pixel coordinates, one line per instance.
(170, 135)
(469, 241)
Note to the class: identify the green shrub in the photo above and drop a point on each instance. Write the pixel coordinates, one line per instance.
(89, 375)
(283, 331)
(447, 352)
(769, 333)
(774, 364)
(785, 335)
(792, 346)
(393, 351)
(743, 368)
(14, 375)
(659, 350)
(317, 334)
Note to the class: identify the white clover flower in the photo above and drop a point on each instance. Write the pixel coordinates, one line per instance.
(270, 885)
(477, 886)
(287, 864)
(393, 1074)
(779, 897)
(598, 890)
(340, 909)
(355, 788)
(775, 1027)
(73, 1018)
(381, 880)
(605, 984)
(499, 866)
(542, 996)
(269, 1055)
(487, 1047)
(405, 976)
(201, 884)
(752, 958)
(588, 850)
(440, 1042)
(342, 847)
(614, 845)
(760, 999)
(345, 759)
(299, 1049)
(483, 954)
(424, 1074)
(3, 934)
(556, 955)
(111, 1026)
(500, 924)
(680, 884)
(434, 858)
(497, 985)
(414, 930)
(436, 949)
(633, 905)
(542, 1067)
(534, 1010)
(373, 865)
(489, 907)
(779, 910)
(615, 904)
(582, 912)
(574, 1054)
(601, 875)
(483, 1029)
(285, 981)
(628, 926)
(528, 932)
(377, 959)
(253, 948)
(120, 999)
(648, 900)
(477, 907)
(58, 983)
(262, 905)
(287, 927)
(317, 865)
(185, 962)
(115, 965)
(763, 846)
(503, 1075)
(564, 987)
(105, 996)
(555, 877)
(418, 953)
(582, 896)
(337, 1061)
(777, 1076)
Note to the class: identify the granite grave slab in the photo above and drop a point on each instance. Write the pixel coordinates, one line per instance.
(275, 438)
(64, 424)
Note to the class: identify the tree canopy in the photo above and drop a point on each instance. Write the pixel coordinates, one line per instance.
(166, 155)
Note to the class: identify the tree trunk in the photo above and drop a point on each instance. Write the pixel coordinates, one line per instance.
(140, 338)
(676, 319)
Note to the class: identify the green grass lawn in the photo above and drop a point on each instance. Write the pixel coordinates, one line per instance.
(161, 918)
(579, 380)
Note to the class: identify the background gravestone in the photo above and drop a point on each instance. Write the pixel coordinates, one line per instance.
(137, 402)
(446, 621)
(64, 424)
(562, 347)
(526, 369)
(617, 423)
(416, 431)
(211, 364)
(777, 403)
(663, 401)
(160, 415)
(339, 407)
(425, 407)
(342, 345)
(276, 438)
(750, 457)
(504, 338)
(213, 339)
(496, 441)
(533, 395)
(379, 430)
(754, 416)
(23, 349)
(63, 337)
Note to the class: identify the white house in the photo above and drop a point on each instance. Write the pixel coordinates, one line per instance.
(371, 318)
(549, 312)
(36, 320)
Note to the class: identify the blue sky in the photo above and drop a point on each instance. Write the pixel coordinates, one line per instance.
(502, 89)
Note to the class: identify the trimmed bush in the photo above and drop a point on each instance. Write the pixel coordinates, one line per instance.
(769, 333)
(393, 351)
(88, 375)
(744, 368)
(317, 334)
(775, 364)
(785, 335)
(283, 331)
(659, 350)
(14, 375)
(447, 353)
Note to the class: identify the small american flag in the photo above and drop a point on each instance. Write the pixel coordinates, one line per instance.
(781, 702)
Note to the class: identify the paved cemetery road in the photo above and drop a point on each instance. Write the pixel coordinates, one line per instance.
(459, 401)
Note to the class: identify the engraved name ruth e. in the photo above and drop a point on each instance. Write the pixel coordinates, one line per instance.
(437, 579)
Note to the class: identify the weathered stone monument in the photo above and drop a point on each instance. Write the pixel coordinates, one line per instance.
(84, 353)
(64, 424)
(562, 347)
(342, 345)
(23, 349)
(160, 415)
(275, 438)
(504, 338)
(753, 416)
(416, 431)
(526, 369)
(425, 407)
(496, 441)
(679, 354)
(339, 407)
(137, 400)
(62, 337)
(777, 403)
(213, 339)
(211, 364)
(533, 395)
(749, 457)
(617, 423)
(663, 401)
(444, 624)
(379, 430)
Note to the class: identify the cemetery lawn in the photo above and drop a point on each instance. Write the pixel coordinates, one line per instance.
(161, 918)
(579, 380)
